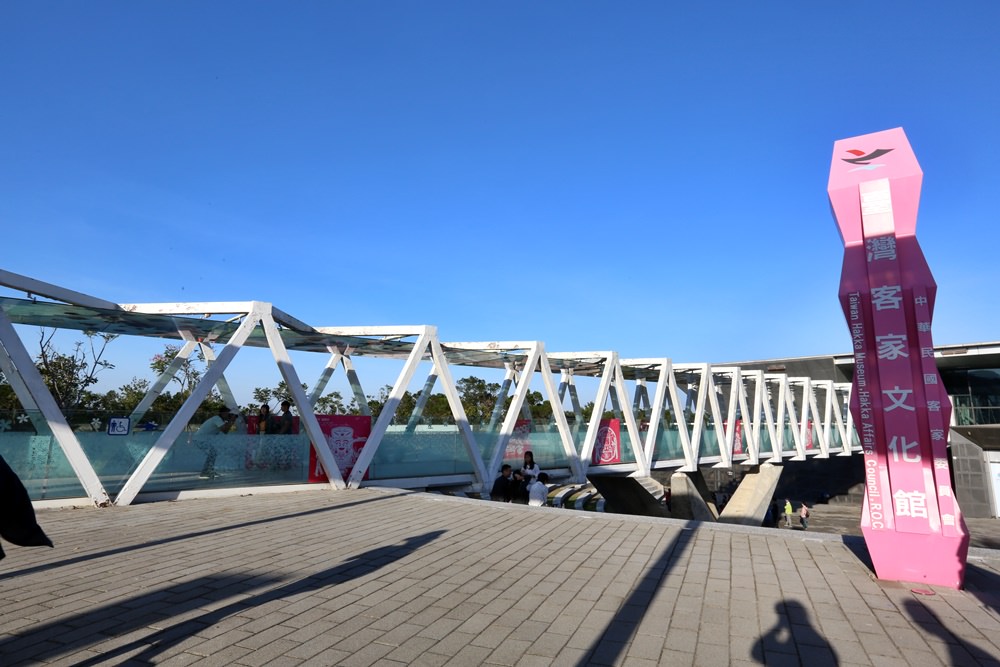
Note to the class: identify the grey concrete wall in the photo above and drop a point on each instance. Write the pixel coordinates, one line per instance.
(972, 477)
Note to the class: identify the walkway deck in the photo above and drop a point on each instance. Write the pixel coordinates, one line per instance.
(386, 577)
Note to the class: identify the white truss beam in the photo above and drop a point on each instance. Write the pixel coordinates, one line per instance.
(458, 410)
(200, 392)
(20, 361)
(34, 287)
(559, 414)
(306, 415)
(514, 411)
(367, 453)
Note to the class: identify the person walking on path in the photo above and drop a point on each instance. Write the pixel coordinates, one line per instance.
(804, 516)
(788, 513)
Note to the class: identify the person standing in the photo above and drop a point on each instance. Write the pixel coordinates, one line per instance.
(285, 425)
(285, 421)
(788, 513)
(804, 516)
(264, 419)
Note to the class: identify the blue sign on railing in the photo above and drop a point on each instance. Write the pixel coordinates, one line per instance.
(119, 426)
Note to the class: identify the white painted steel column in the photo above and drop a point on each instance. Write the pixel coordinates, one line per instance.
(307, 417)
(680, 418)
(698, 428)
(845, 423)
(21, 391)
(461, 419)
(656, 412)
(381, 424)
(324, 377)
(32, 381)
(559, 414)
(359, 392)
(750, 415)
(228, 397)
(501, 398)
(422, 398)
(534, 354)
(164, 379)
(642, 467)
(600, 401)
(166, 440)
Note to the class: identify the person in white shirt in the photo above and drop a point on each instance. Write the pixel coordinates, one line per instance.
(527, 474)
(538, 492)
(530, 470)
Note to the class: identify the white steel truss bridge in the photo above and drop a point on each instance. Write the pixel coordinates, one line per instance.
(669, 415)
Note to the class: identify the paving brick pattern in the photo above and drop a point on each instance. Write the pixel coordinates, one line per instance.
(382, 577)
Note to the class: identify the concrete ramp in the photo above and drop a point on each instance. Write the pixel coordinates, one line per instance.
(689, 497)
(749, 503)
(631, 495)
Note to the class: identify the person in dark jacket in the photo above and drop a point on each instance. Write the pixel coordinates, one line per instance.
(17, 518)
(505, 485)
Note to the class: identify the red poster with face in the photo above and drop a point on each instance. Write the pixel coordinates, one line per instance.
(345, 436)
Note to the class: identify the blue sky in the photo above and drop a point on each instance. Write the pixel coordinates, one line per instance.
(648, 177)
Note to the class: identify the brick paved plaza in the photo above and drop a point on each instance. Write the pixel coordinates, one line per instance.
(382, 577)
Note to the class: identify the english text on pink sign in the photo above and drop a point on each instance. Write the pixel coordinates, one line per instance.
(911, 521)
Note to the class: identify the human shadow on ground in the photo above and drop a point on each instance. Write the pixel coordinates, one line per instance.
(187, 536)
(610, 646)
(357, 566)
(959, 651)
(793, 636)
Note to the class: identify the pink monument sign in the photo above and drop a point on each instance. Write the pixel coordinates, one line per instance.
(911, 520)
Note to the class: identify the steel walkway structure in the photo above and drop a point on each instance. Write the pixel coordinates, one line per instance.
(672, 415)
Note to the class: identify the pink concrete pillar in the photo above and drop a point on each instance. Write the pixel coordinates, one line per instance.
(911, 520)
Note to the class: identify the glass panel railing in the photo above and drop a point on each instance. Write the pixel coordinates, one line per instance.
(427, 450)
(788, 445)
(766, 447)
(628, 447)
(668, 445)
(40, 463)
(232, 460)
(709, 441)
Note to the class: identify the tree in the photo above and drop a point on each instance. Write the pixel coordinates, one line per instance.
(276, 395)
(188, 375)
(125, 399)
(68, 376)
(478, 398)
(331, 404)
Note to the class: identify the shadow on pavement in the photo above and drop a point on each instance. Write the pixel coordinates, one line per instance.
(185, 536)
(793, 630)
(983, 584)
(358, 566)
(609, 647)
(46, 641)
(856, 545)
(959, 652)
